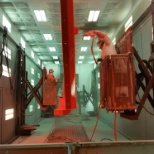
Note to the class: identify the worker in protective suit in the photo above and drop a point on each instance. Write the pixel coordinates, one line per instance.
(51, 75)
(104, 43)
(50, 89)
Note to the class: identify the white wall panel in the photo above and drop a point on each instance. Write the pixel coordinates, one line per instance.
(146, 31)
(84, 72)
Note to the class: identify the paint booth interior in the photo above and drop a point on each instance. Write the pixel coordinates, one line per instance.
(82, 105)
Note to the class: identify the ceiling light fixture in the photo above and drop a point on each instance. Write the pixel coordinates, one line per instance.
(79, 62)
(93, 16)
(40, 15)
(83, 48)
(56, 62)
(81, 57)
(48, 36)
(86, 38)
(55, 57)
(52, 49)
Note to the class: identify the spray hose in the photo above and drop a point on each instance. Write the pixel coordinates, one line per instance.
(92, 50)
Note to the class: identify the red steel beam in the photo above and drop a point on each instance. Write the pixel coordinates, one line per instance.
(68, 101)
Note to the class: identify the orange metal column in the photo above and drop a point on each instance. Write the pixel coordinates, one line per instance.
(68, 101)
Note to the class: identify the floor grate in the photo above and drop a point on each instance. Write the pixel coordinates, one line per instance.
(68, 134)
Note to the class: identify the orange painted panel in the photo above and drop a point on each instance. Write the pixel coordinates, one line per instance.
(117, 83)
(49, 92)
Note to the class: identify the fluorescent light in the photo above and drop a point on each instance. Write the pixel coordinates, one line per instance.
(40, 15)
(32, 82)
(9, 111)
(98, 85)
(86, 38)
(6, 23)
(38, 61)
(129, 23)
(52, 49)
(83, 48)
(93, 16)
(114, 41)
(22, 43)
(79, 62)
(32, 54)
(47, 36)
(81, 57)
(98, 74)
(31, 108)
(38, 106)
(55, 57)
(56, 62)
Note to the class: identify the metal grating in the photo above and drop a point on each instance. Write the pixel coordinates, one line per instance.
(80, 5)
(54, 4)
(21, 5)
(68, 134)
(24, 10)
(6, 4)
(10, 10)
(68, 129)
(54, 19)
(35, 48)
(108, 13)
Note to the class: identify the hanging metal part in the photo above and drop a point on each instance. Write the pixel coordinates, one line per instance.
(49, 91)
(124, 45)
(117, 83)
(43, 99)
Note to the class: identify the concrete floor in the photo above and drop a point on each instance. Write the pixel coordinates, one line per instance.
(102, 133)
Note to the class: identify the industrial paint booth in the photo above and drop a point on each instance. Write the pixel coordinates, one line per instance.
(134, 131)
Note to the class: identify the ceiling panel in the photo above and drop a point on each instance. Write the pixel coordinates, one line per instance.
(21, 13)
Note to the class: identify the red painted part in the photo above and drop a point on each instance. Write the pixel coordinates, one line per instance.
(49, 91)
(76, 30)
(61, 108)
(68, 30)
(117, 89)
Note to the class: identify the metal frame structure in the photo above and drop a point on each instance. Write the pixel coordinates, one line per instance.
(147, 74)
